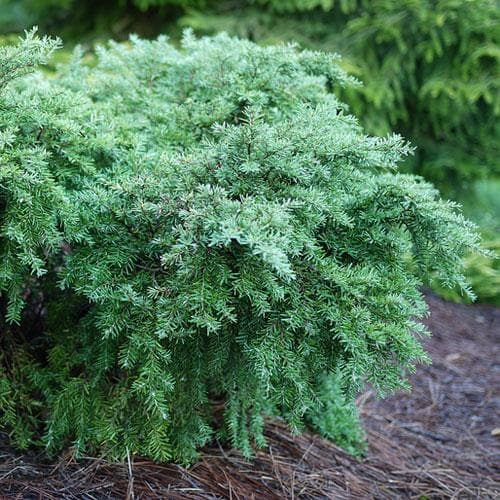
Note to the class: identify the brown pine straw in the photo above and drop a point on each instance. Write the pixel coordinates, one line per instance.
(436, 442)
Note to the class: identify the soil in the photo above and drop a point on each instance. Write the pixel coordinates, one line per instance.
(441, 440)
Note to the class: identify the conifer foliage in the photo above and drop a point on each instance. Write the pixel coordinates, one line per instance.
(203, 228)
(429, 70)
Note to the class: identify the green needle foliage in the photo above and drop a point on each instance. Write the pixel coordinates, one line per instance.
(207, 227)
(429, 69)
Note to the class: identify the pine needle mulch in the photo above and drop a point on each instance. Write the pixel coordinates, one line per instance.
(442, 440)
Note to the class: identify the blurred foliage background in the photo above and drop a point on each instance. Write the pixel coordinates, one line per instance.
(430, 71)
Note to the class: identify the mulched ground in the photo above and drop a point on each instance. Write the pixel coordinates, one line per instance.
(442, 440)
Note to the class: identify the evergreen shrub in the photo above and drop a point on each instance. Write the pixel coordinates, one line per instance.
(199, 229)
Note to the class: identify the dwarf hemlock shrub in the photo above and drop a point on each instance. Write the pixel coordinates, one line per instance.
(204, 236)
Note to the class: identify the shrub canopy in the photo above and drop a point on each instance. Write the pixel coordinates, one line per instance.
(198, 228)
